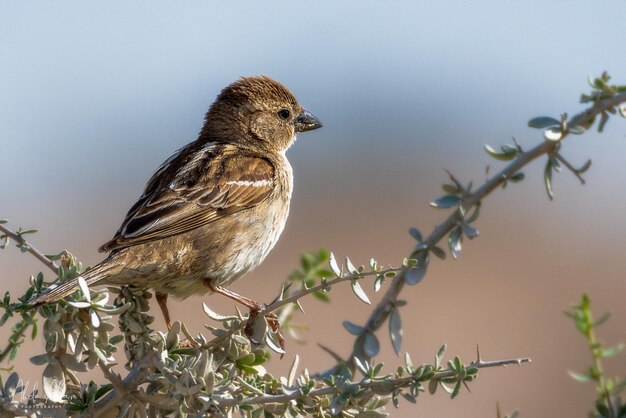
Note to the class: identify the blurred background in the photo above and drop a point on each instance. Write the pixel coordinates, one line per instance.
(93, 97)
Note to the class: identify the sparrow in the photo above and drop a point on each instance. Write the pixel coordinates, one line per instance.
(214, 209)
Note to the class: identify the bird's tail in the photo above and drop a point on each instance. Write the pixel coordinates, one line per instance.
(94, 275)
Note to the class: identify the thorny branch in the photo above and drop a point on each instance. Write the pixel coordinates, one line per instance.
(379, 315)
(21, 242)
(296, 394)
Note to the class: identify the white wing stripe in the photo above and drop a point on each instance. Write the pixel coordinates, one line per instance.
(247, 183)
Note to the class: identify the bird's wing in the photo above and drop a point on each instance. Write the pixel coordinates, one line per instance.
(196, 186)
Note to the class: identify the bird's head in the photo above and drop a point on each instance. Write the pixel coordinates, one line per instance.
(257, 113)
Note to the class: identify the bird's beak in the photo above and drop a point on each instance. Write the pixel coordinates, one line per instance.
(305, 121)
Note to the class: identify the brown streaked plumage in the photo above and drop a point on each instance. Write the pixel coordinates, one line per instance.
(214, 209)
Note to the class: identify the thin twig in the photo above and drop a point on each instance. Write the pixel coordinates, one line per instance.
(382, 311)
(23, 243)
(14, 341)
(296, 394)
(299, 295)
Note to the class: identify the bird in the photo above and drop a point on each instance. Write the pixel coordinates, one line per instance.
(214, 209)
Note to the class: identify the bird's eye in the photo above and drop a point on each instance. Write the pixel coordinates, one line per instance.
(284, 114)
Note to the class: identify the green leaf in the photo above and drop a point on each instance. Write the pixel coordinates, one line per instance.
(445, 202)
(542, 122)
(450, 188)
(456, 390)
(506, 154)
(320, 295)
(517, 177)
(612, 351)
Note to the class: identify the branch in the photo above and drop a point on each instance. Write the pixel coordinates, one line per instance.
(130, 383)
(400, 382)
(280, 301)
(22, 243)
(382, 311)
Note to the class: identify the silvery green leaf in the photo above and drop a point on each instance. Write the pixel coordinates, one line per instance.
(371, 346)
(353, 328)
(469, 231)
(378, 282)
(409, 397)
(133, 325)
(519, 176)
(79, 304)
(433, 384)
(72, 363)
(350, 266)
(576, 130)
(415, 233)
(500, 155)
(584, 167)
(272, 345)
(360, 365)
(11, 384)
(116, 310)
(414, 275)
(82, 284)
(395, 330)
(259, 328)
(358, 291)
(450, 188)
(54, 382)
(373, 264)
(581, 377)
(373, 414)
(542, 122)
(408, 362)
(455, 238)
(292, 370)
(172, 338)
(553, 134)
(604, 118)
(39, 360)
(438, 251)
(547, 178)
(95, 319)
(456, 390)
(332, 262)
(446, 201)
(612, 351)
(214, 315)
(439, 355)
